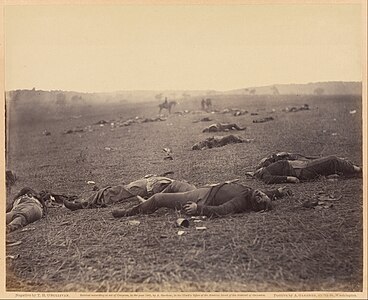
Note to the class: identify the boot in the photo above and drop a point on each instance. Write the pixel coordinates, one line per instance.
(72, 205)
(119, 213)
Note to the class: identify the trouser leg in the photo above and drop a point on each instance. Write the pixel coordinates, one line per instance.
(173, 201)
(18, 222)
(178, 187)
(327, 166)
(95, 200)
(226, 140)
(236, 127)
(9, 217)
(107, 196)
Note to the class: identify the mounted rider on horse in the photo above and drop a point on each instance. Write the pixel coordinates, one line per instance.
(166, 105)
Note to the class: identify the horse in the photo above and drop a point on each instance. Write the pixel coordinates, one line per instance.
(167, 105)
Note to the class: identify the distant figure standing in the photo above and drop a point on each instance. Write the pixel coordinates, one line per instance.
(208, 104)
(203, 104)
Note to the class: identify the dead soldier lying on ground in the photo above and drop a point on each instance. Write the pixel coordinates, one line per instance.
(144, 187)
(219, 200)
(219, 141)
(27, 207)
(216, 127)
(274, 157)
(288, 167)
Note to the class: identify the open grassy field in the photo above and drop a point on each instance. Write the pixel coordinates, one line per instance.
(290, 248)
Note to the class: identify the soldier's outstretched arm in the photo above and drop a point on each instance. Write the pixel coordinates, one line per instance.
(279, 193)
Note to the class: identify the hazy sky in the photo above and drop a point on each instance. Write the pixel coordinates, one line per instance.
(108, 48)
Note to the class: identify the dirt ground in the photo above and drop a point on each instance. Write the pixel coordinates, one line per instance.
(291, 248)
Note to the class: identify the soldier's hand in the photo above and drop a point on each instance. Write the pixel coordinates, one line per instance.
(285, 191)
(292, 179)
(190, 208)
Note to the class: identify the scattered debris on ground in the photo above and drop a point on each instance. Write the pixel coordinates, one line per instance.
(182, 222)
(322, 200)
(12, 244)
(28, 229)
(168, 152)
(134, 222)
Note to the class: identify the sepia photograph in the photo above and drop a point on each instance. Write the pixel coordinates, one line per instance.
(184, 149)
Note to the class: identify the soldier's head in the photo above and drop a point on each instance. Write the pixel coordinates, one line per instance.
(31, 193)
(260, 201)
(28, 191)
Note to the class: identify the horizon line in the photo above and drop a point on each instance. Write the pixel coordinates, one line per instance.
(182, 89)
